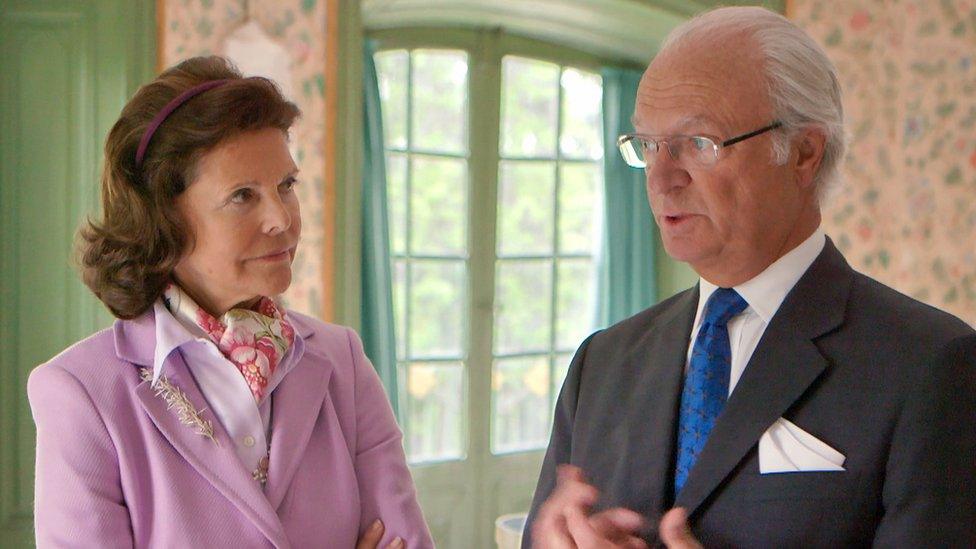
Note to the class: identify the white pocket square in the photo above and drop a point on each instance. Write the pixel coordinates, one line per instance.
(785, 448)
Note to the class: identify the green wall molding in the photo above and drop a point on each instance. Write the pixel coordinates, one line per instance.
(629, 30)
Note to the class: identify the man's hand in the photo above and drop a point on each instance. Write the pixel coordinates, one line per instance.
(372, 536)
(565, 522)
(675, 532)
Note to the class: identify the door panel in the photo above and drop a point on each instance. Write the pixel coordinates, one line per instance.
(69, 67)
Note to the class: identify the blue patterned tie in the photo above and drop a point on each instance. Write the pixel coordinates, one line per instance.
(707, 383)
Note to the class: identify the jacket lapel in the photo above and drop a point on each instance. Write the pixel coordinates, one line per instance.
(295, 409)
(215, 460)
(655, 366)
(785, 363)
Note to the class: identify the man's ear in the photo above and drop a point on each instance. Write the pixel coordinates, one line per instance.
(810, 143)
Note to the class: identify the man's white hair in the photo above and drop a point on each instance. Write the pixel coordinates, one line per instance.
(802, 82)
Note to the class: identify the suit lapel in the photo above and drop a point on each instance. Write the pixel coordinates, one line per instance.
(295, 409)
(785, 363)
(216, 462)
(655, 367)
(781, 369)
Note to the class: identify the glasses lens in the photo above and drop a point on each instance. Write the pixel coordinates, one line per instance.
(697, 150)
(632, 151)
(689, 151)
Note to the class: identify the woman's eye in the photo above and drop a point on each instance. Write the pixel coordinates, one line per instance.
(241, 196)
(289, 184)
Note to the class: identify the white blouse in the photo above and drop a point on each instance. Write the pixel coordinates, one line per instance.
(247, 422)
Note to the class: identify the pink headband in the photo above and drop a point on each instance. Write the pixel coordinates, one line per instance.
(168, 109)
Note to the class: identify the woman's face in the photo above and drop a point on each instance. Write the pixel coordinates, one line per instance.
(243, 213)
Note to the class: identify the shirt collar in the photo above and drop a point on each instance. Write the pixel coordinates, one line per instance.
(170, 335)
(766, 291)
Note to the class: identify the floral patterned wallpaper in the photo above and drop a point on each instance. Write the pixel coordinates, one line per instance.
(906, 212)
(200, 27)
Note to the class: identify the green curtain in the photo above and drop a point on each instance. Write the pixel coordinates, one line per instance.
(378, 333)
(627, 281)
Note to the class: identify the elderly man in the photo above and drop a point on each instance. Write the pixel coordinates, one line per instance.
(786, 400)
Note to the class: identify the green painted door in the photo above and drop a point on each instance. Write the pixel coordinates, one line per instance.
(68, 67)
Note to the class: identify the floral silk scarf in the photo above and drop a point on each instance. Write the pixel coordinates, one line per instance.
(254, 341)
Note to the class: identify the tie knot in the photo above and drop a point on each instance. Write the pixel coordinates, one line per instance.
(722, 305)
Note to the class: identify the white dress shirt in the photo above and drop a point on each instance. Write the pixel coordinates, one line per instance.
(247, 422)
(764, 293)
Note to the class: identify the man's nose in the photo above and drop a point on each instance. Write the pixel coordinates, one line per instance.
(663, 171)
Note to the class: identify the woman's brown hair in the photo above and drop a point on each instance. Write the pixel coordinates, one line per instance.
(128, 256)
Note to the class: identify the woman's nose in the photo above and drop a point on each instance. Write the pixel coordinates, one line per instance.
(277, 217)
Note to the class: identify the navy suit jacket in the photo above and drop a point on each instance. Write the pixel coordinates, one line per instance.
(884, 379)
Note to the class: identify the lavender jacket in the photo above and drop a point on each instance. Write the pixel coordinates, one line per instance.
(116, 468)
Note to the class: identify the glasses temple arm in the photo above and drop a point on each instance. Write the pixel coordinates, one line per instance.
(743, 137)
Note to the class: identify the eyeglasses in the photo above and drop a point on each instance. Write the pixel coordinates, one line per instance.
(690, 150)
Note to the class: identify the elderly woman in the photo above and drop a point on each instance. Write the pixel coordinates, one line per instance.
(208, 415)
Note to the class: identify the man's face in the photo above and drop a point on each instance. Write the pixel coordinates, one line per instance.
(732, 219)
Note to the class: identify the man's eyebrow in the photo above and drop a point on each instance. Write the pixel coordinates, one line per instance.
(692, 120)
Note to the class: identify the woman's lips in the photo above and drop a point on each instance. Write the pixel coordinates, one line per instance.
(278, 256)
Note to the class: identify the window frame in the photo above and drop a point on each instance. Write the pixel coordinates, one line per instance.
(485, 49)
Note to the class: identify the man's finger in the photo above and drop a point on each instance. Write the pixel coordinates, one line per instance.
(675, 532)
(583, 533)
(634, 542)
(569, 472)
(572, 489)
(586, 536)
(617, 522)
(619, 526)
(571, 493)
(549, 531)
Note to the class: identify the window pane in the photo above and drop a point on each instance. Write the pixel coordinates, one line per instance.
(439, 101)
(582, 120)
(435, 413)
(519, 402)
(396, 197)
(437, 292)
(391, 73)
(438, 206)
(525, 208)
(523, 296)
(575, 302)
(580, 208)
(530, 107)
(400, 306)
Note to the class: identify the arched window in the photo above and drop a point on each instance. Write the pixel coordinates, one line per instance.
(494, 186)
(493, 137)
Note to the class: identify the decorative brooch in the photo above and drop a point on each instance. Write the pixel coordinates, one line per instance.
(176, 400)
(261, 473)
